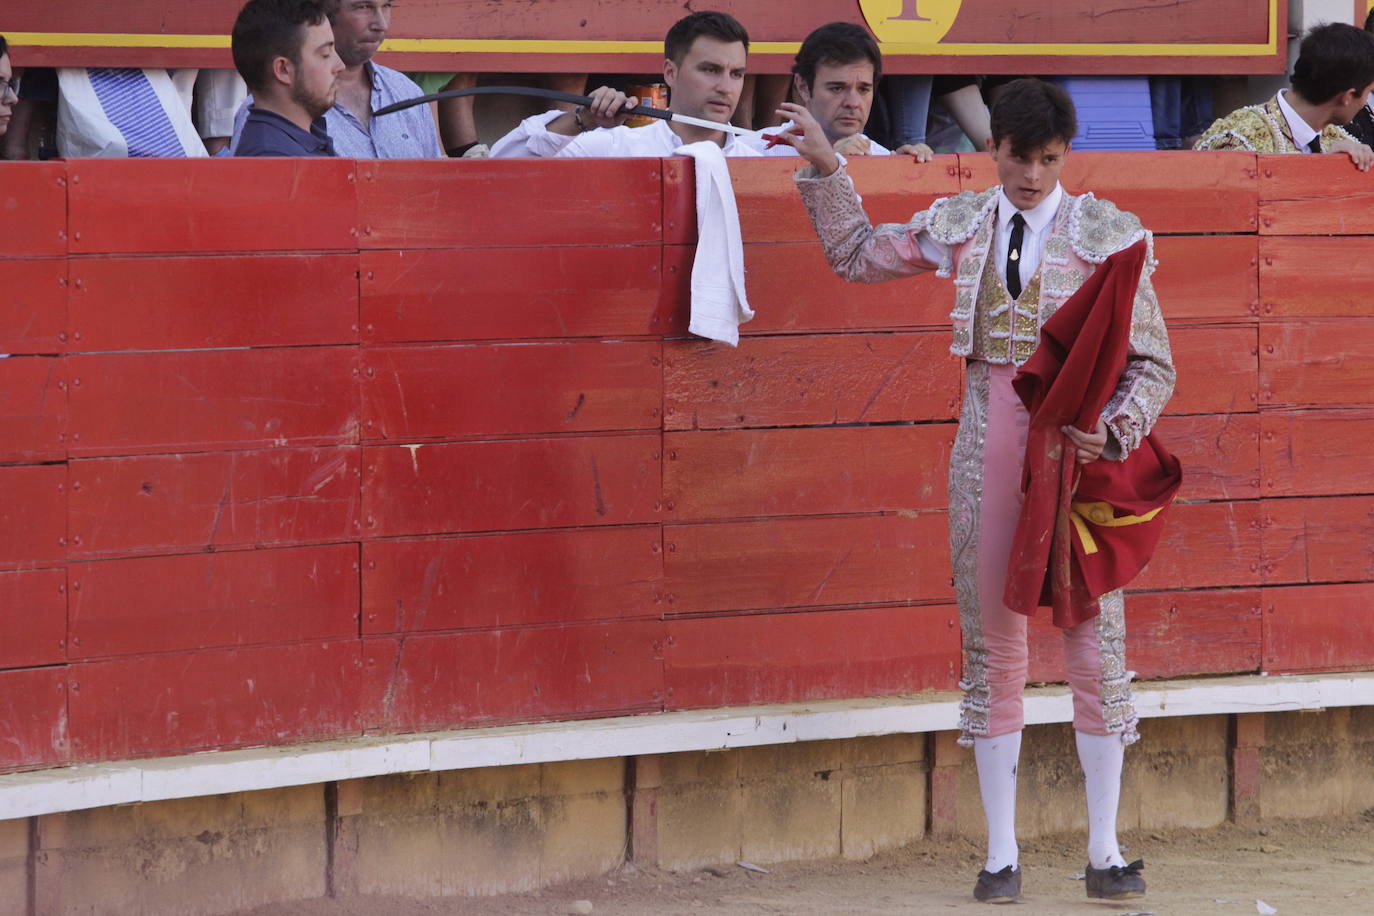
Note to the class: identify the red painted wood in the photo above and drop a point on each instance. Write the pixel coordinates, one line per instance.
(239, 598)
(1314, 195)
(33, 516)
(1206, 545)
(182, 205)
(33, 306)
(415, 204)
(493, 486)
(512, 580)
(33, 718)
(792, 288)
(806, 562)
(1316, 452)
(893, 188)
(176, 503)
(1170, 634)
(783, 658)
(1317, 363)
(746, 473)
(33, 197)
(1214, 193)
(210, 400)
(477, 678)
(33, 409)
(193, 303)
(1319, 540)
(486, 294)
(1218, 371)
(1319, 627)
(812, 380)
(429, 392)
(1295, 277)
(1151, 21)
(1211, 277)
(166, 704)
(33, 618)
(1220, 454)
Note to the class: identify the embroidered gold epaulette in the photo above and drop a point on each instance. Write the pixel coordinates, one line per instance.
(954, 220)
(1098, 229)
(1245, 129)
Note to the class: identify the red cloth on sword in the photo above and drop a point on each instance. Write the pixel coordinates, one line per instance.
(1084, 530)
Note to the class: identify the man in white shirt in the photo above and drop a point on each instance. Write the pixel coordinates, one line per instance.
(835, 74)
(705, 56)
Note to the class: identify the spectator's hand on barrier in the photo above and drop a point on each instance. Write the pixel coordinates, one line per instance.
(1089, 445)
(854, 145)
(608, 108)
(922, 152)
(807, 138)
(1361, 155)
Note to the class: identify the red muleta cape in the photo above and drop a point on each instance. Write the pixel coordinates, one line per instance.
(1084, 529)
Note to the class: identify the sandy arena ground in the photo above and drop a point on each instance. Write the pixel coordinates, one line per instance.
(1299, 868)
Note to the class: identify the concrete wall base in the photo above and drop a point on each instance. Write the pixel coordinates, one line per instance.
(512, 828)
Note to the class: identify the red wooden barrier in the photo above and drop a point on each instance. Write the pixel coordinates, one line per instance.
(294, 450)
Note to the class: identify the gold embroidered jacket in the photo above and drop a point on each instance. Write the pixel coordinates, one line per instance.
(1261, 129)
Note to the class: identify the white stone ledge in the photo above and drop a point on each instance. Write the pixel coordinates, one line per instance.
(218, 772)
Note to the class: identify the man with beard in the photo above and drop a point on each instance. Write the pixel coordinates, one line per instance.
(284, 50)
(360, 27)
(705, 55)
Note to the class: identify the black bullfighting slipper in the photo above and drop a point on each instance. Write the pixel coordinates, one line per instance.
(998, 887)
(1116, 882)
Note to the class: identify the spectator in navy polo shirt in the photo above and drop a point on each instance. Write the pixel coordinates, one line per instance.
(360, 27)
(284, 50)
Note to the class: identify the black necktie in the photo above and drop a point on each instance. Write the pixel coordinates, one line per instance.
(1315, 144)
(1018, 227)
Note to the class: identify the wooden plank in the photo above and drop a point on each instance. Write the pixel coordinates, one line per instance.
(419, 204)
(33, 516)
(1314, 195)
(1319, 627)
(792, 288)
(1207, 277)
(181, 205)
(1316, 452)
(749, 473)
(1220, 454)
(1317, 363)
(134, 403)
(33, 718)
(33, 306)
(33, 197)
(1170, 634)
(451, 294)
(785, 658)
(1216, 192)
(214, 500)
(1319, 540)
(33, 409)
(461, 679)
(1218, 370)
(812, 380)
(33, 618)
(807, 562)
(893, 189)
(176, 704)
(445, 392)
(195, 303)
(512, 580)
(1207, 545)
(175, 604)
(511, 485)
(1295, 277)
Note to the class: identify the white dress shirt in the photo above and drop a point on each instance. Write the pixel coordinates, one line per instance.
(782, 149)
(1038, 220)
(1302, 131)
(533, 138)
